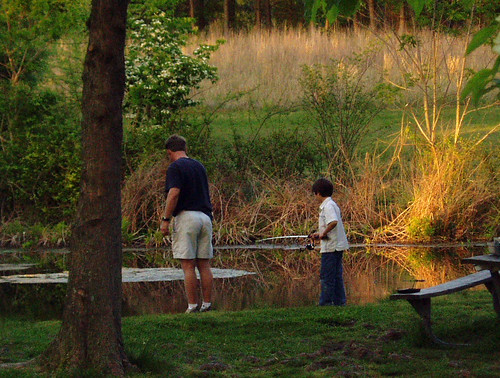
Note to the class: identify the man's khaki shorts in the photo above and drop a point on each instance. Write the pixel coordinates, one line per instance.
(192, 236)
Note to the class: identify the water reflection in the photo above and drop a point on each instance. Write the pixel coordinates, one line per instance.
(284, 278)
(290, 278)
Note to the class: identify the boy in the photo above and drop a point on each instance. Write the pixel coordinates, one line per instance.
(333, 244)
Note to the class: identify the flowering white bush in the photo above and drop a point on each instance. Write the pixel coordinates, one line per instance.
(160, 77)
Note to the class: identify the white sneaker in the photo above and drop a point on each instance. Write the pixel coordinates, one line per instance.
(191, 310)
(206, 308)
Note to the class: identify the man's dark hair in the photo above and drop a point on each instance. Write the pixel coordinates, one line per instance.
(324, 187)
(176, 143)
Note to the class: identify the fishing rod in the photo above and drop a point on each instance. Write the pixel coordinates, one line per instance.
(284, 237)
(309, 246)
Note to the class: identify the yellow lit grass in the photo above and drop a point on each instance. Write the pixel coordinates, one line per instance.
(457, 192)
(269, 63)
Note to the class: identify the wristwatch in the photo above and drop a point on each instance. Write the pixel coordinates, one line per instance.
(165, 219)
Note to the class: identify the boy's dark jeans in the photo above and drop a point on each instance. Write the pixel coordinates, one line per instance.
(332, 281)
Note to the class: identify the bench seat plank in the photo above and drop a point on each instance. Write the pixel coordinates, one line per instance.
(459, 284)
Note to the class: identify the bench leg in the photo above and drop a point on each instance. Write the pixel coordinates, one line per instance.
(494, 288)
(423, 308)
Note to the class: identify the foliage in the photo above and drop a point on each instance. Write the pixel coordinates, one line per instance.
(343, 99)
(160, 77)
(27, 30)
(485, 80)
(432, 83)
(453, 14)
(331, 9)
(39, 167)
(420, 229)
(281, 154)
(19, 234)
(160, 81)
(39, 164)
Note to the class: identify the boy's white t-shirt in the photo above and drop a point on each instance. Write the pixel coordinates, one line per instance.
(337, 239)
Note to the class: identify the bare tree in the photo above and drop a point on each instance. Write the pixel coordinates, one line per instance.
(90, 336)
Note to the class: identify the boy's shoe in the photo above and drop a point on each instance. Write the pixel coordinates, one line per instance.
(192, 310)
(206, 309)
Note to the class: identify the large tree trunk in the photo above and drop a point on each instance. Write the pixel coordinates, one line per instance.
(229, 15)
(90, 336)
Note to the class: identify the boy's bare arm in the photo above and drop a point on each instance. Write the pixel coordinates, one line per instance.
(324, 234)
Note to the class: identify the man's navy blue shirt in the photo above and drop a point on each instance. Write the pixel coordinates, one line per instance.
(190, 176)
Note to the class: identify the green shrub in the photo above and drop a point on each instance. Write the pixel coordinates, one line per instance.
(343, 99)
(421, 228)
(40, 161)
(283, 153)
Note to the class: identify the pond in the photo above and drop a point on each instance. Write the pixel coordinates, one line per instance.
(287, 276)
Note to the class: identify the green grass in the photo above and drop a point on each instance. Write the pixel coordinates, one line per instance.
(370, 340)
(262, 122)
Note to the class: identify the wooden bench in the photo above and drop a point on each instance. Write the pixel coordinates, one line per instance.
(421, 300)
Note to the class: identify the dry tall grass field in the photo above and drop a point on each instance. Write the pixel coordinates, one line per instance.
(268, 63)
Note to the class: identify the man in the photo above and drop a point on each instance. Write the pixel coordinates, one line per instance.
(189, 208)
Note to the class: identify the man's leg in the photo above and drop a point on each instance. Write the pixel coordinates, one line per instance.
(206, 278)
(190, 280)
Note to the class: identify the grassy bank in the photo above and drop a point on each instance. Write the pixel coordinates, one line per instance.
(385, 126)
(371, 340)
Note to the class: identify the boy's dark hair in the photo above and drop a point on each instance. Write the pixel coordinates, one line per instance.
(176, 143)
(324, 187)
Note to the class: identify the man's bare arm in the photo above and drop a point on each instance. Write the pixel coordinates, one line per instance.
(171, 203)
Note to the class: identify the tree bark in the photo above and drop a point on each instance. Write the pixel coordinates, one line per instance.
(90, 336)
(373, 14)
(258, 13)
(356, 23)
(229, 15)
(197, 11)
(266, 13)
(263, 14)
(402, 19)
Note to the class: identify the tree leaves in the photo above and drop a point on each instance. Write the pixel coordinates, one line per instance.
(481, 37)
(485, 80)
(418, 5)
(331, 9)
